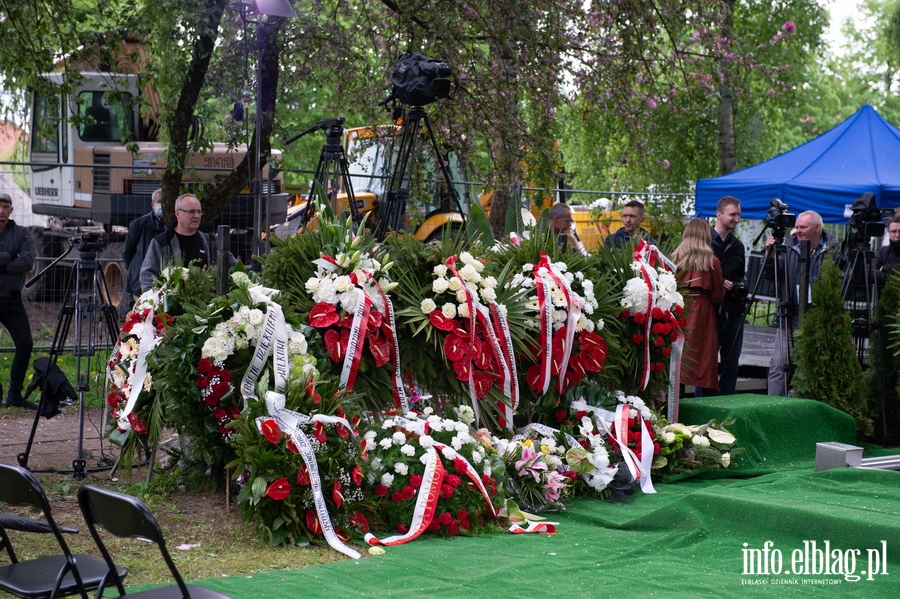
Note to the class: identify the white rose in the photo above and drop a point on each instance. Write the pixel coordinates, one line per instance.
(428, 306)
(699, 441)
(461, 295)
(463, 311)
(440, 270)
(489, 295)
(440, 285)
(489, 282)
(455, 284)
(448, 310)
(668, 438)
(312, 284)
(469, 273)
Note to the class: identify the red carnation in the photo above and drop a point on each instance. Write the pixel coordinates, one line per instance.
(453, 529)
(381, 490)
(640, 317)
(446, 491)
(397, 497)
(625, 314)
(666, 351)
(408, 492)
(445, 519)
(460, 465)
(280, 489)
(560, 415)
(452, 480)
(415, 481)
(637, 339)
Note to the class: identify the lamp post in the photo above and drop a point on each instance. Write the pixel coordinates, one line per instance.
(274, 8)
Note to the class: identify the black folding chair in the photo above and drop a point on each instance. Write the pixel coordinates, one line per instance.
(126, 516)
(43, 577)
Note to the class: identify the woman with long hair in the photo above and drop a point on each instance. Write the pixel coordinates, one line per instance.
(700, 272)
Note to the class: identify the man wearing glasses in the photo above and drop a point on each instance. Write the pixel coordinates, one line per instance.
(184, 241)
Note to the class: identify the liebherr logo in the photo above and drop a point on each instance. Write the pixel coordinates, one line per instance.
(46, 191)
(814, 558)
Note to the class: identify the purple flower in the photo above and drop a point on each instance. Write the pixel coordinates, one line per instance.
(530, 464)
(789, 27)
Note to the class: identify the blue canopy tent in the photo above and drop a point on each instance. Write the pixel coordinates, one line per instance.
(825, 174)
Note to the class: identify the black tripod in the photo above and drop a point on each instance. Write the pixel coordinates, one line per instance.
(332, 171)
(82, 304)
(859, 290)
(784, 317)
(393, 208)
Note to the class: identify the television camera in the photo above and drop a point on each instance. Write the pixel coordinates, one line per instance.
(865, 217)
(419, 80)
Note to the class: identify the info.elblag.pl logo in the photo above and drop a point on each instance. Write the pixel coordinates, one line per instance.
(815, 559)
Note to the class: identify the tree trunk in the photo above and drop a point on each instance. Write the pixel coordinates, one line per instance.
(505, 151)
(179, 122)
(726, 97)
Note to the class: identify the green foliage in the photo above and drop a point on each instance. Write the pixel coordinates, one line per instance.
(885, 356)
(827, 369)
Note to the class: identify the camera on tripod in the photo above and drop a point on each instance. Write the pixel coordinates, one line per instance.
(778, 216)
(88, 242)
(865, 217)
(419, 80)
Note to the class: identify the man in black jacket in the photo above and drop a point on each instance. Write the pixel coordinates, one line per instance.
(730, 252)
(16, 259)
(632, 217)
(888, 257)
(140, 233)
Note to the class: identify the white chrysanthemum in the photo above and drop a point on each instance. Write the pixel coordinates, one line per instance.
(699, 441)
(448, 310)
(428, 306)
(487, 468)
(325, 292)
(440, 285)
(387, 479)
(440, 270)
(466, 414)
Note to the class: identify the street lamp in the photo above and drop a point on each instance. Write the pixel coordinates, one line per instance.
(274, 8)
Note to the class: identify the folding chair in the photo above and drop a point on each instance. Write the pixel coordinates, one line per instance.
(126, 516)
(43, 577)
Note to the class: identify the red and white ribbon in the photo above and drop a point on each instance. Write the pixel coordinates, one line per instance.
(638, 467)
(426, 503)
(451, 264)
(541, 274)
(647, 256)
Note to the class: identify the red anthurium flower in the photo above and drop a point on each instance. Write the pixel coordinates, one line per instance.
(342, 431)
(380, 349)
(455, 347)
(533, 377)
(359, 520)
(441, 322)
(323, 315)
(336, 494)
(333, 345)
(593, 360)
(357, 475)
(483, 383)
(312, 522)
(462, 368)
(303, 476)
(280, 489)
(346, 322)
(375, 319)
(319, 432)
(292, 447)
(271, 431)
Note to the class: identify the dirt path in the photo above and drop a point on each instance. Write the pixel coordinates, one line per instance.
(55, 440)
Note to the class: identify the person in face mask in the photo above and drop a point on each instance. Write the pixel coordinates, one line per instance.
(888, 257)
(141, 232)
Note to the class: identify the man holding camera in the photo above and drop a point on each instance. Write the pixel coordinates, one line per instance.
(730, 314)
(808, 228)
(16, 259)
